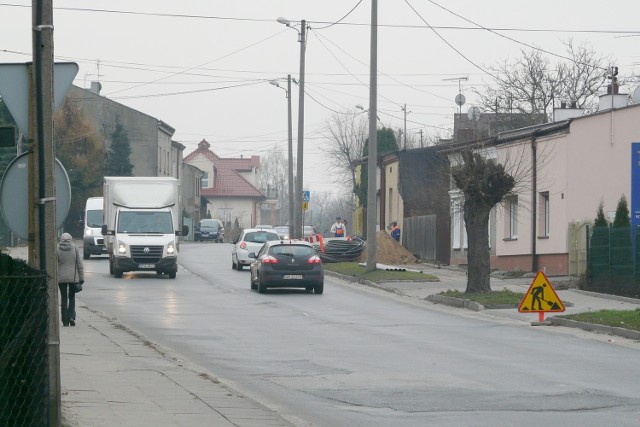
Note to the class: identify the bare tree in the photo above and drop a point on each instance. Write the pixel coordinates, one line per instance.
(80, 148)
(530, 84)
(274, 180)
(484, 183)
(347, 133)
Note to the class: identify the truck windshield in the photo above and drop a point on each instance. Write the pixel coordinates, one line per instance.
(94, 218)
(145, 222)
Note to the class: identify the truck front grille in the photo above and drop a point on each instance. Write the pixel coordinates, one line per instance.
(146, 254)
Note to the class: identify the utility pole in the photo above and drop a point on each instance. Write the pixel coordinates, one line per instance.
(421, 138)
(42, 197)
(290, 159)
(299, 169)
(372, 164)
(405, 125)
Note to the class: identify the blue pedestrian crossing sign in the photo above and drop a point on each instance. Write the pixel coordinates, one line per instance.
(306, 196)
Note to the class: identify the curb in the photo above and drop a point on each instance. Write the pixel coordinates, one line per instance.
(593, 327)
(455, 302)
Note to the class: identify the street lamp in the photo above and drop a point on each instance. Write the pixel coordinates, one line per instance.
(290, 161)
(360, 107)
(299, 166)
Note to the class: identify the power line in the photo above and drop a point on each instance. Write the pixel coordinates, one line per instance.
(507, 37)
(447, 42)
(341, 19)
(270, 20)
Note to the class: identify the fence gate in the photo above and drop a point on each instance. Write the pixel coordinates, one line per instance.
(419, 236)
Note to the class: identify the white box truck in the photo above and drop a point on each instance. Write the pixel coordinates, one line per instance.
(92, 223)
(142, 217)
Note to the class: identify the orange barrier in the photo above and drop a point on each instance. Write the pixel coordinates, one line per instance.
(321, 242)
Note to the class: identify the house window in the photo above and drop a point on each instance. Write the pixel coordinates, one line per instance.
(456, 224)
(511, 218)
(543, 214)
(390, 204)
(204, 181)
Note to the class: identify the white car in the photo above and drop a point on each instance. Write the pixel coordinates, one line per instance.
(251, 240)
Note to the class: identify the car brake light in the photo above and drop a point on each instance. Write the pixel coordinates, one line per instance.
(243, 245)
(315, 260)
(269, 260)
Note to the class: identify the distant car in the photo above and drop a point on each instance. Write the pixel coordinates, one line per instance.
(287, 264)
(282, 230)
(250, 240)
(310, 232)
(209, 229)
(264, 227)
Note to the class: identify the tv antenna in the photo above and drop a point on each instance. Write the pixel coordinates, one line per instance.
(460, 99)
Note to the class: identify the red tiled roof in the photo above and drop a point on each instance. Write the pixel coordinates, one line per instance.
(228, 182)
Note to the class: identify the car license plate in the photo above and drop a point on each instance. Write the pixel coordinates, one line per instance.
(292, 276)
(146, 266)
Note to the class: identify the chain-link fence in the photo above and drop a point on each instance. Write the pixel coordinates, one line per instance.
(24, 371)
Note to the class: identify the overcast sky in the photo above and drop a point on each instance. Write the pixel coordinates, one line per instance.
(203, 66)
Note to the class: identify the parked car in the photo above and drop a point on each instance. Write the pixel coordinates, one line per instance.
(287, 264)
(250, 240)
(209, 229)
(282, 230)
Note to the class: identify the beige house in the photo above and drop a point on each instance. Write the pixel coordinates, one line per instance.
(229, 185)
(564, 170)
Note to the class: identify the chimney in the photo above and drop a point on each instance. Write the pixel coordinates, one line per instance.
(96, 87)
(565, 113)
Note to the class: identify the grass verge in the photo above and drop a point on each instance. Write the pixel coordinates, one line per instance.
(356, 270)
(628, 319)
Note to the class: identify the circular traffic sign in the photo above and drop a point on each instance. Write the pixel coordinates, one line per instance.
(14, 190)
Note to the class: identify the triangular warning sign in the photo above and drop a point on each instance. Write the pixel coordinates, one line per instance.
(541, 297)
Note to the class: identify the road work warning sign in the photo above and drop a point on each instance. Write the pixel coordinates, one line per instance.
(541, 297)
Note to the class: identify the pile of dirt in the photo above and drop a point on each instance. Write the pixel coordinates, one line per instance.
(388, 251)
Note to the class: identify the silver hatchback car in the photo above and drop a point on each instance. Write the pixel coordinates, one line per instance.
(251, 240)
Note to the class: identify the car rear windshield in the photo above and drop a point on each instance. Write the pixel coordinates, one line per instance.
(260, 236)
(292, 250)
(211, 223)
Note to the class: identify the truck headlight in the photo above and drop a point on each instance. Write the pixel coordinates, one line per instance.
(171, 249)
(88, 232)
(122, 248)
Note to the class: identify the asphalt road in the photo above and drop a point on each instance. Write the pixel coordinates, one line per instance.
(363, 357)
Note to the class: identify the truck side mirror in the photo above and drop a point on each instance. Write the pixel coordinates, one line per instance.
(106, 232)
(183, 232)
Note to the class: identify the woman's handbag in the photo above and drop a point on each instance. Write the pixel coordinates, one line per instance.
(77, 286)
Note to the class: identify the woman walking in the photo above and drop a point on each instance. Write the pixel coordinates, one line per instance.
(70, 272)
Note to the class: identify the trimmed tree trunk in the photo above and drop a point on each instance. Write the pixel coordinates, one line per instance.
(476, 220)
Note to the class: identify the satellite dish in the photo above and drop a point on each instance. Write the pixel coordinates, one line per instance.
(636, 95)
(460, 99)
(474, 113)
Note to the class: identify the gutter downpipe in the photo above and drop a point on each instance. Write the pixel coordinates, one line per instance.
(534, 210)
